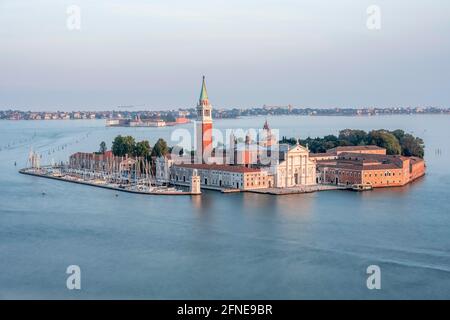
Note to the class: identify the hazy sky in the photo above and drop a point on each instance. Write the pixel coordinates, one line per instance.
(152, 54)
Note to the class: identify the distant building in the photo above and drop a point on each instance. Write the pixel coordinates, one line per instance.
(182, 120)
(112, 122)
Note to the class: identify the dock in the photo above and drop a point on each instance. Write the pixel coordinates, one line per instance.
(297, 190)
(213, 188)
(106, 186)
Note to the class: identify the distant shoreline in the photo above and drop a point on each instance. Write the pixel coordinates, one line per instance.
(256, 115)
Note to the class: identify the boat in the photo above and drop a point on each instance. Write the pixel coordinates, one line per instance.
(361, 187)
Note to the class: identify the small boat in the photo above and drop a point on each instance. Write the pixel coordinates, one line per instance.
(361, 187)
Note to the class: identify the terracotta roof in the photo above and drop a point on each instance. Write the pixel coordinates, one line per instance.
(219, 167)
(359, 166)
(382, 166)
(324, 154)
(352, 148)
(364, 161)
(416, 159)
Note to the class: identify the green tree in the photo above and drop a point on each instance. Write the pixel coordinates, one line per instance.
(123, 145)
(160, 148)
(412, 146)
(399, 134)
(103, 148)
(142, 149)
(353, 137)
(290, 141)
(385, 139)
(117, 146)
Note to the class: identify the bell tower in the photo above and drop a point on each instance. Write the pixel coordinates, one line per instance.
(203, 126)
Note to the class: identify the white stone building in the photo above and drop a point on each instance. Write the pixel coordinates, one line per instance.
(294, 167)
(162, 169)
(215, 176)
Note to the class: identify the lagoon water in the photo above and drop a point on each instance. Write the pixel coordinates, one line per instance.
(221, 246)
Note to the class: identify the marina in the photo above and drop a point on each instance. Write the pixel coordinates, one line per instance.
(59, 173)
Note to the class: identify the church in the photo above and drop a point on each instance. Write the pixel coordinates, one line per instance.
(238, 165)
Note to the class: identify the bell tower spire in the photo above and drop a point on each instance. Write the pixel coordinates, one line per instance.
(203, 126)
(203, 93)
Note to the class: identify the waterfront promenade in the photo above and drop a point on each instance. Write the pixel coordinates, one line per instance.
(271, 191)
(298, 190)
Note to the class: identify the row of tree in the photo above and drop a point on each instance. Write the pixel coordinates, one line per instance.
(127, 145)
(396, 142)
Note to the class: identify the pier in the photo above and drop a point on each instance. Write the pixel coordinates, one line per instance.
(297, 190)
(46, 173)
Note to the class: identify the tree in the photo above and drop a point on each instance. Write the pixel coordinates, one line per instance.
(395, 142)
(385, 139)
(102, 147)
(142, 149)
(399, 134)
(353, 137)
(123, 145)
(412, 146)
(117, 146)
(290, 141)
(160, 148)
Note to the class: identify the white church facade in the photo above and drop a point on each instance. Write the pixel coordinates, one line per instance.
(294, 168)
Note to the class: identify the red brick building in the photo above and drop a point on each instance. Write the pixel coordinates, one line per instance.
(370, 149)
(375, 169)
(333, 153)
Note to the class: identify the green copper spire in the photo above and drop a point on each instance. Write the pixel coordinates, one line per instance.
(203, 93)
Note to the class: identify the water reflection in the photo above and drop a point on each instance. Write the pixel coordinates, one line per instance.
(396, 192)
(296, 204)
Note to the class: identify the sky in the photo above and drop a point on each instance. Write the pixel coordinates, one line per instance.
(152, 54)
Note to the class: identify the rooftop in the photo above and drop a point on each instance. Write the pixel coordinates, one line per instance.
(219, 167)
(353, 148)
(324, 154)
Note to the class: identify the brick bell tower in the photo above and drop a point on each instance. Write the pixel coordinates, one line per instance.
(203, 126)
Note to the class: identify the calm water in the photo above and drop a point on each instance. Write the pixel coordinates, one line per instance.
(221, 246)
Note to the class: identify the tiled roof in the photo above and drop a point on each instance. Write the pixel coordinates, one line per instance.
(324, 154)
(219, 167)
(353, 148)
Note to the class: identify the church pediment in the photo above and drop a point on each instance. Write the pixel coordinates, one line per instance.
(298, 149)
